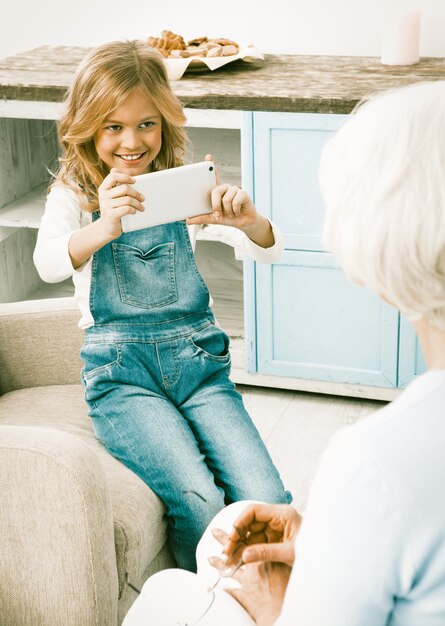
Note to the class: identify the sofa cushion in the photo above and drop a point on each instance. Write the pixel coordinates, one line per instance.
(139, 524)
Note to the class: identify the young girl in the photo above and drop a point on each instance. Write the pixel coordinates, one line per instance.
(156, 366)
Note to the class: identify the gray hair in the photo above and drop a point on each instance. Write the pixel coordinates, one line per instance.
(382, 177)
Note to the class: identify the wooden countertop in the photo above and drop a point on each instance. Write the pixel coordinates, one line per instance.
(322, 84)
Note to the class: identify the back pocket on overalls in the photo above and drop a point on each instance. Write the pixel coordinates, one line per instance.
(146, 279)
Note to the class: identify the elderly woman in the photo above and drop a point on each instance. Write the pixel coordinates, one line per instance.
(371, 547)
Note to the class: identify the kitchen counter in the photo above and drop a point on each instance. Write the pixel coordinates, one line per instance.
(288, 83)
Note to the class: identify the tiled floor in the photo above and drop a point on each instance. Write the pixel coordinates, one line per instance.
(297, 426)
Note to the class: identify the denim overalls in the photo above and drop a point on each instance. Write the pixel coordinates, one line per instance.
(156, 377)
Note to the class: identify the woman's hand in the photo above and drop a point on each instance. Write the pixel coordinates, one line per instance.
(264, 532)
(233, 206)
(263, 587)
(117, 198)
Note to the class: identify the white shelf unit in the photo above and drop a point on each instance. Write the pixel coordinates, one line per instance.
(28, 147)
(26, 211)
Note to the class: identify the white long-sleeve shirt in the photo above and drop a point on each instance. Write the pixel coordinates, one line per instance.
(63, 216)
(371, 548)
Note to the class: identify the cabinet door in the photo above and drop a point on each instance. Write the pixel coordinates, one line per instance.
(304, 319)
(312, 323)
(286, 155)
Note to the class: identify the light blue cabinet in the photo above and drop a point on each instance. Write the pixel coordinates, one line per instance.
(303, 317)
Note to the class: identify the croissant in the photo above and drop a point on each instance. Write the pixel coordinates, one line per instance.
(166, 42)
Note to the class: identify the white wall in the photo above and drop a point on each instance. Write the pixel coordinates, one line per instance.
(344, 27)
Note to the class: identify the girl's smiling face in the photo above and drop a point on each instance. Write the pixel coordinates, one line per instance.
(131, 136)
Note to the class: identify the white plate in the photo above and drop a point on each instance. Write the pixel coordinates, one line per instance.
(177, 67)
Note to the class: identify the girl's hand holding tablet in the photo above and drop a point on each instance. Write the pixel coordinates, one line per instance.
(117, 197)
(233, 206)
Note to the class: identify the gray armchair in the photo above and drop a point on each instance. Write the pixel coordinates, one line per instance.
(79, 532)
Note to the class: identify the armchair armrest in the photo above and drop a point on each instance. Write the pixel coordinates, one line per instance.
(39, 343)
(58, 562)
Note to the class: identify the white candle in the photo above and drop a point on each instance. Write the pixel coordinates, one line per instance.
(400, 40)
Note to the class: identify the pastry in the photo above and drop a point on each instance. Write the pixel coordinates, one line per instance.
(173, 46)
(166, 42)
(197, 42)
(179, 54)
(215, 51)
(196, 51)
(229, 50)
(225, 42)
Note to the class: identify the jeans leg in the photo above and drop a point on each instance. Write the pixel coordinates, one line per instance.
(233, 447)
(150, 436)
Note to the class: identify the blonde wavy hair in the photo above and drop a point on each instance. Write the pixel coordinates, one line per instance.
(101, 83)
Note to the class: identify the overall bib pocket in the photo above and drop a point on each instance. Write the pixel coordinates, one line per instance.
(146, 279)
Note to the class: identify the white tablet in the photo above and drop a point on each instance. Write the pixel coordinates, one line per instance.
(172, 195)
